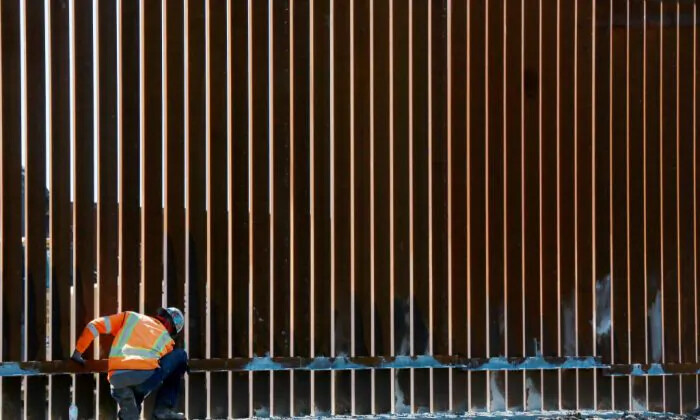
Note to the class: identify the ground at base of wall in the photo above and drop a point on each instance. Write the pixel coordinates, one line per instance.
(518, 415)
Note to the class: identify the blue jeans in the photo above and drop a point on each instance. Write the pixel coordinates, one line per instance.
(167, 376)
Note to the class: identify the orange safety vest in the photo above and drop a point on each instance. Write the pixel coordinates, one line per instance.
(139, 340)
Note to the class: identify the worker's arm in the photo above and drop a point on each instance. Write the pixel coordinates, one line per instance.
(103, 325)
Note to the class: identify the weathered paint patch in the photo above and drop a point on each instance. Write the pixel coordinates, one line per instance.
(263, 363)
(656, 329)
(637, 405)
(498, 401)
(343, 362)
(14, 369)
(534, 398)
(337, 363)
(262, 413)
(400, 405)
(602, 294)
(569, 326)
(583, 363)
(404, 362)
(496, 363)
(637, 370)
(656, 369)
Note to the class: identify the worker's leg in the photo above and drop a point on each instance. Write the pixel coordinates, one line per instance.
(128, 409)
(176, 365)
(172, 368)
(139, 397)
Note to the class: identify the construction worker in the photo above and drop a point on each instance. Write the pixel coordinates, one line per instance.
(143, 357)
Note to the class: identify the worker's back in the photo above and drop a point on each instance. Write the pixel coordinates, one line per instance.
(139, 340)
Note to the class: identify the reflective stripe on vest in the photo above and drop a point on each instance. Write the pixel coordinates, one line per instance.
(139, 352)
(93, 330)
(124, 335)
(160, 343)
(108, 325)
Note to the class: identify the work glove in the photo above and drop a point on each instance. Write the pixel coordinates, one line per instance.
(77, 357)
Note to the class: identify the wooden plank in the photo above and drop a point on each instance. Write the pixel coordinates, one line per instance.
(321, 213)
(35, 203)
(300, 186)
(83, 189)
(217, 222)
(11, 207)
(456, 111)
(240, 198)
(152, 161)
(584, 202)
(362, 210)
(430, 53)
(476, 193)
(196, 202)
(531, 240)
(513, 160)
(382, 238)
(107, 173)
(566, 191)
(60, 209)
(281, 247)
(601, 187)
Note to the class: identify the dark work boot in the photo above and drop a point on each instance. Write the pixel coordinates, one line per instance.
(128, 409)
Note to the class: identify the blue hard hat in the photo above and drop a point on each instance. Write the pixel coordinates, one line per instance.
(176, 316)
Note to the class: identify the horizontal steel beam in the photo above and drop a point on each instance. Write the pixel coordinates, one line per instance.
(244, 364)
(322, 363)
(654, 369)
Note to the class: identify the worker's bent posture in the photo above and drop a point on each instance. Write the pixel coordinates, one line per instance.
(142, 358)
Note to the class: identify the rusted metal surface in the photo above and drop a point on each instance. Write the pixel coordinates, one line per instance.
(11, 217)
(107, 178)
(342, 363)
(151, 134)
(34, 98)
(281, 190)
(195, 137)
(60, 213)
(217, 216)
(359, 363)
(334, 192)
(84, 227)
(128, 140)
